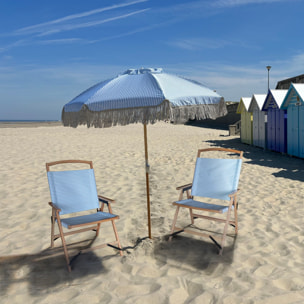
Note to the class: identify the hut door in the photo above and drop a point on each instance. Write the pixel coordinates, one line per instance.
(281, 131)
(301, 131)
(293, 130)
(243, 127)
(262, 129)
(277, 130)
(255, 130)
(271, 129)
(246, 128)
(258, 128)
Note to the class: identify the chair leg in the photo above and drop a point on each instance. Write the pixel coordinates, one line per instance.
(236, 217)
(225, 230)
(117, 238)
(97, 230)
(174, 222)
(191, 216)
(52, 228)
(64, 245)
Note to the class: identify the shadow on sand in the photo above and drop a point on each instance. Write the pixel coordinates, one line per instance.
(289, 167)
(47, 270)
(186, 252)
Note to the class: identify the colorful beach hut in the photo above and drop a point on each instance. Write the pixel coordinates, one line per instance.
(246, 120)
(258, 120)
(276, 134)
(294, 104)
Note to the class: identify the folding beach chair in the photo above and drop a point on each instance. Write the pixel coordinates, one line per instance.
(75, 204)
(215, 181)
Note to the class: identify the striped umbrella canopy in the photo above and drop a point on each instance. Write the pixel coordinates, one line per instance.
(145, 96)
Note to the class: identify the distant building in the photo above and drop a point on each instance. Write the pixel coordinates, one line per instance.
(285, 84)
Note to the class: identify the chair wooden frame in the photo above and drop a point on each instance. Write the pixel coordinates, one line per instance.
(233, 204)
(94, 226)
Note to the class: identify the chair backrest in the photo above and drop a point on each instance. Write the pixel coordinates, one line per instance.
(73, 190)
(216, 177)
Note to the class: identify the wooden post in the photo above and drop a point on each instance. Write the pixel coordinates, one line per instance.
(147, 180)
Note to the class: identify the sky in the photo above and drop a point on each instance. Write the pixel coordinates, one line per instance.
(51, 51)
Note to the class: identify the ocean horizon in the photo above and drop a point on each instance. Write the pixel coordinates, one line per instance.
(26, 120)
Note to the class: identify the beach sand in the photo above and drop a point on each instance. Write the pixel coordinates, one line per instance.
(264, 264)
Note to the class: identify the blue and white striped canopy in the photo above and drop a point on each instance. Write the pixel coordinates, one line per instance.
(144, 95)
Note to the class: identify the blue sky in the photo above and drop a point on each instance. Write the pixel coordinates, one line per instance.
(50, 51)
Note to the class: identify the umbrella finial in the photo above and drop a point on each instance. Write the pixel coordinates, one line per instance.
(143, 70)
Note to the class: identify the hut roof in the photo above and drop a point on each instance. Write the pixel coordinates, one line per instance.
(299, 87)
(243, 105)
(274, 99)
(294, 95)
(257, 100)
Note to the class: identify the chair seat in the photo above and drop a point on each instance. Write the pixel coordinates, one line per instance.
(85, 219)
(190, 203)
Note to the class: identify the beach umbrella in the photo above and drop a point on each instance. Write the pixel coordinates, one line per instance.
(143, 96)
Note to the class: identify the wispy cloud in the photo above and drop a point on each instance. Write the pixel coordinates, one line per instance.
(199, 43)
(26, 42)
(69, 27)
(17, 43)
(65, 41)
(32, 35)
(60, 24)
(235, 81)
(137, 30)
(195, 44)
(232, 3)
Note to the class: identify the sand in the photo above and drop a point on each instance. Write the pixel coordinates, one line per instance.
(264, 264)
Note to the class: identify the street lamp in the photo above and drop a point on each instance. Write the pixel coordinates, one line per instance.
(268, 68)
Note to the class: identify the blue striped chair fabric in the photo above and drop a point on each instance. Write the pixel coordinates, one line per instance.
(73, 191)
(191, 203)
(85, 219)
(216, 178)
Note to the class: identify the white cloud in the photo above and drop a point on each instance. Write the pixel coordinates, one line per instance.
(28, 83)
(236, 81)
(32, 34)
(64, 41)
(69, 27)
(194, 44)
(48, 26)
(232, 3)
(31, 42)
(199, 43)
(17, 43)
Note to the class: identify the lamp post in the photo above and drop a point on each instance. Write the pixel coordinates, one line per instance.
(268, 68)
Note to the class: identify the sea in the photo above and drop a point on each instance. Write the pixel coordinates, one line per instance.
(25, 120)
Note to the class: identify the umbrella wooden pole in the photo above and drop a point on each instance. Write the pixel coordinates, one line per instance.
(147, 180)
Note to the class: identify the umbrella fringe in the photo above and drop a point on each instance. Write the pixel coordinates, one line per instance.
(182, 114)
(143, 115)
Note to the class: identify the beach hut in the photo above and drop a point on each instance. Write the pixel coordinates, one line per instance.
(276, 134)
(246, 120)
(294, 104)
(258, 120)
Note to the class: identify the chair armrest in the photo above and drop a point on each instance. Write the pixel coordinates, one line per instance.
(234, 193)
(184, 187)
(105, 200)
(54, 206)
